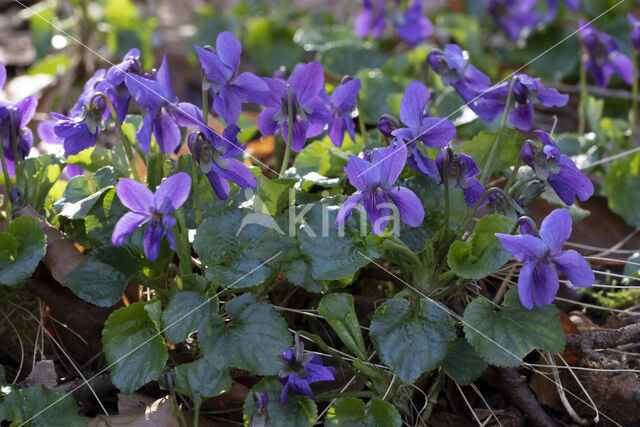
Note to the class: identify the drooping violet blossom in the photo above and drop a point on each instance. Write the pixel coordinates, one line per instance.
(301, 368)
(431, 131)
(552, 6)
(115, 76)
(605, 57)
(516, 17)
(341, 103)
(230, 89)
(454, 68)
(461, 171)
(635, 32)
(157, 97)
(550, 164)
(374, 177)
(538, 280)
(16, 127)
(412, 25)
(310, 114)
(260, 415)
(526, 90)
(156, 209)
(372, 20)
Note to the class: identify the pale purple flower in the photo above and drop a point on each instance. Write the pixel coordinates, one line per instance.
(341, 103)
(412, 25)
(310, 115)
(230, 89)
(538, 280)
(301, 368)
(526, 90)
(516, 17)
(116, 75)
(374, 177)
(372, 20)
(433, 132)
(155, 209)
(605, 57)
(635, 32)
(550, 164)
(461, 171)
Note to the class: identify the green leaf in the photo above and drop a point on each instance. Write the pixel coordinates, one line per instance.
(270, 45)
(339, 312)
(377, 87)
(482, 253)
(102, 276)
(507, 152)
(40, 406)
(463, 365)
(504, 337)
(412, 343)
(35, 177)
(78, 198)
(201, 379)
(253, 339)
(299, 411)
(273, 194)
(323, 158)
(183, 315)
(353, 412)
(133, 347)
(22, 247)
(622, 188)
(94, 158)
(53, 65)
(347, 58)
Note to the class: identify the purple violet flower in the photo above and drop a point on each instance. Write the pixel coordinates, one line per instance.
(605, 57)
(341, 103)
(454, 69)
(230, 89)
(13, 123)
(635, 32)
(538, 280)
(301, 368)
(550, 164)
(412, 25)
(461, 171)
(553, 8)
(374, 177)
(116, 76)
(431, 131)
(153, 208)
(516, 17)
(372, 20)
(310, 114)
(156, 95)
(526, 90)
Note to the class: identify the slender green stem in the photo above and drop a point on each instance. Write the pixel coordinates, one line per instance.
(528, 221)
(445, 179)
(125, 141)
(196, 415)
(463, 224)
(634, 102)
(432, 397)
(7, 181)
(397, 245)
(363, 126)
(205, 101)
(513, 175)
(486, 171)
(582, 108)
(184, 246)
(288, 142)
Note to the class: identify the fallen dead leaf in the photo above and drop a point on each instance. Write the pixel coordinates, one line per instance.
(43, 373)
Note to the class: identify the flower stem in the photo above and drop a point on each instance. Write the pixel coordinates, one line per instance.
(125, 141)
(582, 108)
(363, 126)
(287, 152)
(7, 182)
(432, 399)
(394, 244)
(634, 105)
(183, 245)
(463, 224)
(513, 175)
(486, 172)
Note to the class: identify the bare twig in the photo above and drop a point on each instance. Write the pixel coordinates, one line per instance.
(523, 398)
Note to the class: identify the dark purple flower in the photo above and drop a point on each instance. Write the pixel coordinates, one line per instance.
(605, 57)
(372, 19)
(13, 124)
(635, 32)
(454, 69)
(156, 95)
(116, 76)
(516, 17)
(230, 90)
(153, 208)
(550, 164)
(431, 131)
(526, 90)
(412, 25)
(538, 281)
(301, 368)
(552, 5)
(461, 171)
(374, 178)
(310, 114)
(341, 103)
